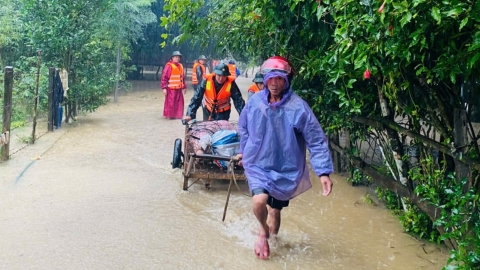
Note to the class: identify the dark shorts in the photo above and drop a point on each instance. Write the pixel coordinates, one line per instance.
(274, 203)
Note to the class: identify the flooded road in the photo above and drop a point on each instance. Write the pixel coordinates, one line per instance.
(101, 194)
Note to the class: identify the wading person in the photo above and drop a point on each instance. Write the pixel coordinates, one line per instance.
(173, 87)
(214, 94)
(276, 127)
(198, 71)
(257, 85)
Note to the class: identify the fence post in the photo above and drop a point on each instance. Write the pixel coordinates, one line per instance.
(345, 143)
(51, 77)
(337, 162)
(69, 95)
(462, 170)
(7, 109)
(36, 96)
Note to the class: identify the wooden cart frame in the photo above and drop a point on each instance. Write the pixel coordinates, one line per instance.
(201, 166)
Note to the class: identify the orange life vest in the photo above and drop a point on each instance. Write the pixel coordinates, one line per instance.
(175, 82)
(194, 72)
(233, 71)
(214, 102)
(253, 88)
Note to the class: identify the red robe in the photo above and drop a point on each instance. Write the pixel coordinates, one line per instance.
(174, 103)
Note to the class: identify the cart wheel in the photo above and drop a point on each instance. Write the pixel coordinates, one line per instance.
(177, 154)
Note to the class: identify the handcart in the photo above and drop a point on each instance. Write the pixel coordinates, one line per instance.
(200, 164)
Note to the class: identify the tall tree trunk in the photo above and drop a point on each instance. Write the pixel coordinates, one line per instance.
(67, 62)
(117, 74)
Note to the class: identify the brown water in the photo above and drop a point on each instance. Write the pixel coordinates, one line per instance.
(101, 194)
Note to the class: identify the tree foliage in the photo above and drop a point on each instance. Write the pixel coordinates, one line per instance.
(421, 55)
(125, 20)
(10, 25)
(83, 38)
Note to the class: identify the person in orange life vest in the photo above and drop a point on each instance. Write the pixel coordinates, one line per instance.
(214, 63)
(234, 71)
(174, 87)
(198, 72)
(257, 86)
(214, 94)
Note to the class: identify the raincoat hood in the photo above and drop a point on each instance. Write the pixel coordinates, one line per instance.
(287, 92)
(273, 74)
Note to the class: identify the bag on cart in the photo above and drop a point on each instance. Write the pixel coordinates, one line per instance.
(225, 143)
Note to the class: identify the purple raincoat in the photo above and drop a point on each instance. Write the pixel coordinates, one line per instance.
(273, 141)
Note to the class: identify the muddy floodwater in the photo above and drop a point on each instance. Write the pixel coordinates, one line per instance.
(100, 193)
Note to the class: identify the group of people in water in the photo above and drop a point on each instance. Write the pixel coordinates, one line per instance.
(275, 127)
(213, 91)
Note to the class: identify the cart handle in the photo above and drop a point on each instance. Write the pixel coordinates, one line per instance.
(208, 156)
(191, 122)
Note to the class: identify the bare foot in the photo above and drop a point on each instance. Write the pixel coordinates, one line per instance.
(262, 250)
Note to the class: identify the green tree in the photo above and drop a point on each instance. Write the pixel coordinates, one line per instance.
(64, 30)
(85, 38)
(10, 24)
(123, 23)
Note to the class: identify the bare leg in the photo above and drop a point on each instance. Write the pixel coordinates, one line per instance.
(262, 250)
(273, 220)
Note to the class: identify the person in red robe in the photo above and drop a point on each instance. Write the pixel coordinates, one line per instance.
(174, 87)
